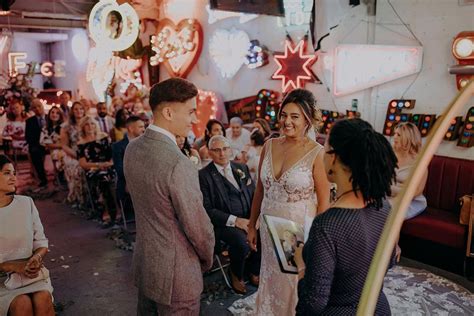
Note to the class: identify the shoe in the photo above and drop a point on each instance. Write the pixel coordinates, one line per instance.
(254, 280)
(237, 285)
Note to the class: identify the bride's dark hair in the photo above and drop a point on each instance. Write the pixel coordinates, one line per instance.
(307, 102)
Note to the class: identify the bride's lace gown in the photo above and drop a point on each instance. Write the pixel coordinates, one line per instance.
(291, 196)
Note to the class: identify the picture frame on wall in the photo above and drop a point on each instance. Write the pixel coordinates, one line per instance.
(243, 108)
(268, 7)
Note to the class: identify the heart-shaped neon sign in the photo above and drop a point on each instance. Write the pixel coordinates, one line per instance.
(177, 47)
(228, 50)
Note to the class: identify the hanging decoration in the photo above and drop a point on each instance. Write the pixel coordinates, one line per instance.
(267, 106)
(206, 110)
(257, 55)
(228, 50)
(463, 51)
(217, 15)
(297, 14)
(112, 26)
(294, 67)
(358, 67)
(177, 47)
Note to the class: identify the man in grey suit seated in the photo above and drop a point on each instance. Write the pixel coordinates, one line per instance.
(175, 238)
(228, 189)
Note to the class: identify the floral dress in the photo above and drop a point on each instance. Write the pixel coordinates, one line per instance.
(16, 130)
(72, 171)
(53, 137)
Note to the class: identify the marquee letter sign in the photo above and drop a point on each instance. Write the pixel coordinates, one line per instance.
(14, 63)
(178, 47)
(113, 26)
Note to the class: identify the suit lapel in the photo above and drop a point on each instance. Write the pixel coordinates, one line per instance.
(241, 182)
(219, 181)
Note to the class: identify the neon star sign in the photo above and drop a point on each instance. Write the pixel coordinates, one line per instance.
(294, 67)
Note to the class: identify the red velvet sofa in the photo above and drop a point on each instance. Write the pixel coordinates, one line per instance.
(448, 180)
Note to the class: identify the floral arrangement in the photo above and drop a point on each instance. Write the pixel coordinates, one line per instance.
(17, 87)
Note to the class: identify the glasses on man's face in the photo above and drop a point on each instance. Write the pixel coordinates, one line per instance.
(219, 150)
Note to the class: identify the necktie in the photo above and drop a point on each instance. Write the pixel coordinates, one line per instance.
(104, 124)
(229, 176)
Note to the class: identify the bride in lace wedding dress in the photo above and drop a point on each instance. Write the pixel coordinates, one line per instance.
(292, 185)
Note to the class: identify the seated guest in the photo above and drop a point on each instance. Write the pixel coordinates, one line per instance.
(213, 128)
(15, 128)
(64, 100)
(118, 131)
(406, 145)
(238, 137)
(189, 152)
(51, 137)
(263, 127)
(34, 126)
(95, 157)
(251, 153)
(135, 127)
(72, 171)
(228, 189)
(23, 247)
(106, 122)
(333, 265)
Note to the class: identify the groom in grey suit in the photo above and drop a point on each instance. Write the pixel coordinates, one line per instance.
(175, 238)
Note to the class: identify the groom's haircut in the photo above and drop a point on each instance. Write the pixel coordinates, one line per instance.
(171, 90)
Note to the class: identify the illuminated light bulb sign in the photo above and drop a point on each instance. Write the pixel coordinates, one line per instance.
(267, 106)
(426, 123)
(257, 55)
(328, 119)
(395, 115)
(466, 137)
(297, 13)
(228, 50)
(358, 67)
(206, 110)
(463, 51)
(453, 130)
(177, 47)
(112, 26)
(294, 67)
(350, 114)
(47, 68)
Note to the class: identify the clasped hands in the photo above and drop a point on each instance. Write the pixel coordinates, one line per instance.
(29, 268)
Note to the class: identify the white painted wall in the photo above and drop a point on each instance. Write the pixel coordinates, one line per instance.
(435, 23)
(75, 79)
(33, 50)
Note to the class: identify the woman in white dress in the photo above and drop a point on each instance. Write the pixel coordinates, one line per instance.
(23, 246)
(292, 185)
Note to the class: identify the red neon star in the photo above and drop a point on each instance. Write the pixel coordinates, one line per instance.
(294, 68)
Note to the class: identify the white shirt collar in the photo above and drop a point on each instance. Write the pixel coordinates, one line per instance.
(163, 131)
(221, 169)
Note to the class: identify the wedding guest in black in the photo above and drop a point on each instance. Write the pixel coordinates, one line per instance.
(135, 127)
(228, 189)
(333, 265)
(64, 99)
(95, 157)
(34, 126)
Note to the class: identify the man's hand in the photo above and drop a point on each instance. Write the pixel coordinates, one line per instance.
(242, 223)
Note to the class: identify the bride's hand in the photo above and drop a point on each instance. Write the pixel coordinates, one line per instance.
(252, 237)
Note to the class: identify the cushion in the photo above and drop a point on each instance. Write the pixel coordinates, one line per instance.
(437, 225)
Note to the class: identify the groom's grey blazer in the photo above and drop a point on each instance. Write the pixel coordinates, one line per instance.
(175, 238)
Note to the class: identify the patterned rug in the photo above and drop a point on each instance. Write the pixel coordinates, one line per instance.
(409, 291)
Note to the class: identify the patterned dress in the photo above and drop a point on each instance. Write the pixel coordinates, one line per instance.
(292, 196)
(72, 171)
(16, 130)
(53, 137)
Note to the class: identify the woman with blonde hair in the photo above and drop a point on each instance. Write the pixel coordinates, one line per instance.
(94, 152)
(406, 145)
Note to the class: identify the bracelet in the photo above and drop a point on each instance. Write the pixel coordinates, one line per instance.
(301, 269)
